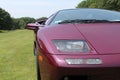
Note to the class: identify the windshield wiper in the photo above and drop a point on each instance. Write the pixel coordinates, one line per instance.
(86, 21)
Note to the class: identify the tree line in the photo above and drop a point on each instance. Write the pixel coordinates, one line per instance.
(103, 4)
(9, 23)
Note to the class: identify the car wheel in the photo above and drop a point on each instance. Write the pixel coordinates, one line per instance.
(37, 63)
(38, 69)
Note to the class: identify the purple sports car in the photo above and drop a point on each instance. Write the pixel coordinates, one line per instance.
(78, 44)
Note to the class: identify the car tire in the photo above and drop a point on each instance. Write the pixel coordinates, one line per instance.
(38, 68)
(37, 63)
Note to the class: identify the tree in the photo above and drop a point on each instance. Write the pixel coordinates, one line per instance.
(15, 23)
(83, 4)
(113, 5)
(20, 23)
(5, 20)
(104, 4)
(42, 18)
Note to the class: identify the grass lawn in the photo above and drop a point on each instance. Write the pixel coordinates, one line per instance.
(17, 61)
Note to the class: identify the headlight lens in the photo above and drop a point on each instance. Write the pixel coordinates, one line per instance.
(71, 45)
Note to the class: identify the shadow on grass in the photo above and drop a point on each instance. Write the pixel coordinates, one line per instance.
(1, 31)
(5, 31)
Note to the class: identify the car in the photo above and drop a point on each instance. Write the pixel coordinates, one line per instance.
(78, 44)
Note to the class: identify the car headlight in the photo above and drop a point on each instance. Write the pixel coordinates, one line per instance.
(71, 45)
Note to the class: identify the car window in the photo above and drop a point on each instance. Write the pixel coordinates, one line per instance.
(86, 14)
(49, 19)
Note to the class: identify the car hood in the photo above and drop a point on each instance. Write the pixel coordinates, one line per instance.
(105, 38)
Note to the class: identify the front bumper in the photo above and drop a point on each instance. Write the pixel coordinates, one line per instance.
(107, 61)
(54, 67)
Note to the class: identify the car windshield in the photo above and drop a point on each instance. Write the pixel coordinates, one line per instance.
(85, 16)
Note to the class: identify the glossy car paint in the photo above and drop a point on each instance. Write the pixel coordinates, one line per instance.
(103, 40)
(100, 37)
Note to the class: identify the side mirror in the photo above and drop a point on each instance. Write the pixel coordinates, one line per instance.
(32, 26)
(36, 25)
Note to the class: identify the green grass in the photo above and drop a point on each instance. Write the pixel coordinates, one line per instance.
(17, 61)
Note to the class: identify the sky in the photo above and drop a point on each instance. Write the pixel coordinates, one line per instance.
(36, 8)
